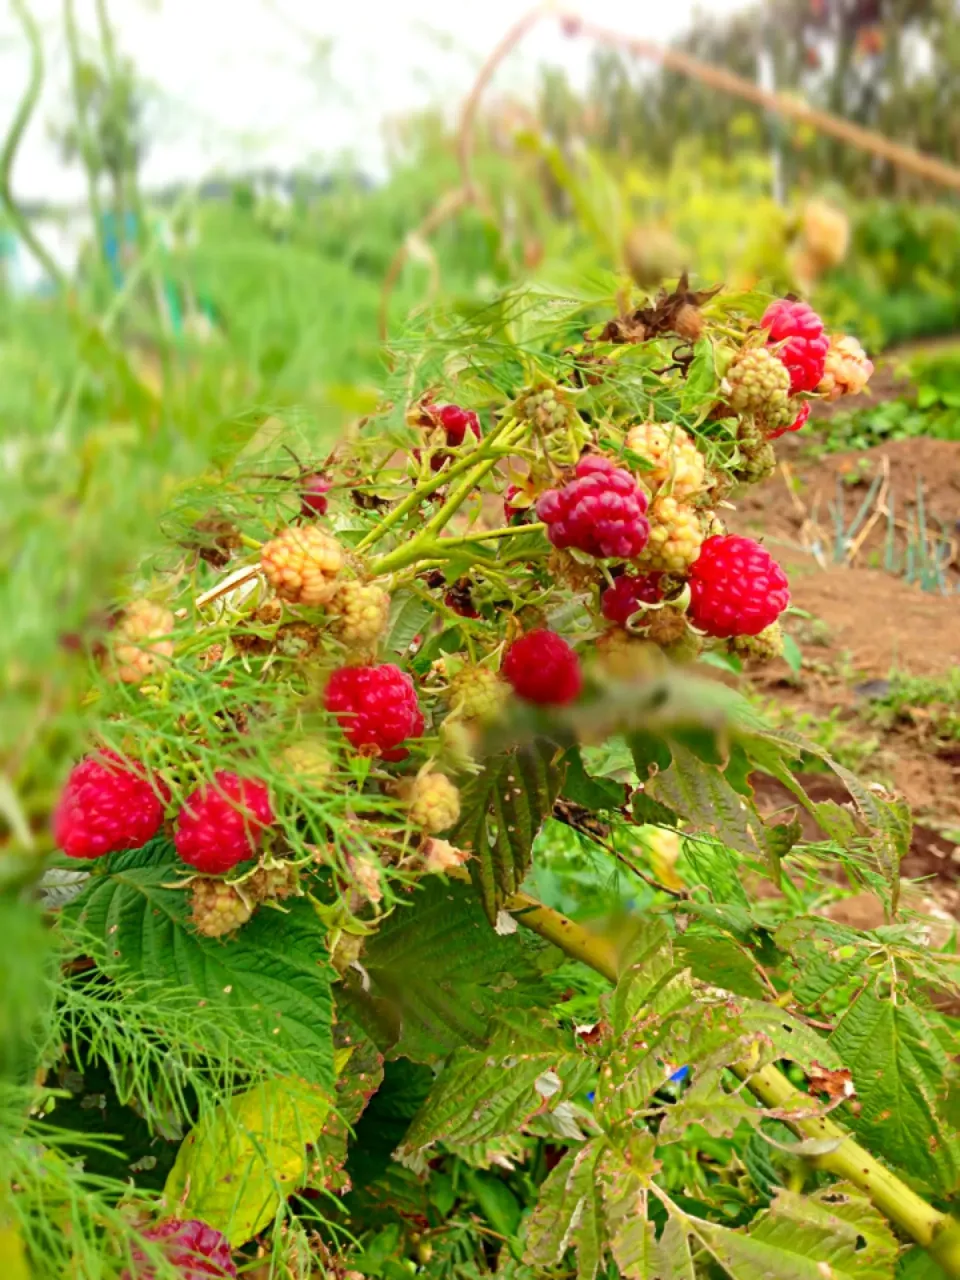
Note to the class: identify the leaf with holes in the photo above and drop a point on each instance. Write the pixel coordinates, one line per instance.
(502, 810)
(568, 1213)
(529, 1066)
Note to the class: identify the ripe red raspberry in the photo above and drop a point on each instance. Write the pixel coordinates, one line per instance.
(377, 707)
(194, 1248)
(797, 331)
(456, 422)
(736, 588)
(510, 511)
(107, 805)
(602, 511)
(543, 668)
(313, 496)
(621, 601)
(798, 422)
(222, 822)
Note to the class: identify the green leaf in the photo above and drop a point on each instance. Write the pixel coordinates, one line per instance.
(239, 1163)
(593, 793)
(638, 1253)
(408, 617)
(797, 1238)
(502, 810)
(698, 390)
(438, 973)
(792, 655)
(900, 1072)
(720, 962)
(568, 1212)
(529, 1066)
(702, 795)
(649, 753)
(272, 979)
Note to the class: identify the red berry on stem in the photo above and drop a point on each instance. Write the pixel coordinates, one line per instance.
(628, 594)
(107, 805)
(510, 511)
(798, 422)
(456, 422)
(736, 588)
(194, 1248)
(313, 495)
(543, 668)
(602, 511)
(797, 331)
(376, 706)
(222, 822)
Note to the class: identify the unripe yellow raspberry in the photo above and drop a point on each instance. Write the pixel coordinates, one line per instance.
(433, 802)
(477, 693)
(139, 648)
(826, 232)
(765, 647)
(621, 656)
(678, 466)
(758, 382)
(218, 908)
(272, 884)
(675, 537)
(847, 368)
(439, 856)
(308, 761)
(362, 611)
(302, 565)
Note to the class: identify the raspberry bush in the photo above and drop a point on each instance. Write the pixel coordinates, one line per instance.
(368, 723)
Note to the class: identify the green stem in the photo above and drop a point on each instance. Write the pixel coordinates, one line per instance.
(11, 145)
(487, 535)
(937, 1232)
(424, 490)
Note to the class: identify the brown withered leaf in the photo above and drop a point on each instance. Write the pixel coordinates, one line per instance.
(836, 1085)
(670, 313)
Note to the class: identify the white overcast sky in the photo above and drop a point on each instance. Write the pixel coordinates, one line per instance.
(244, 82)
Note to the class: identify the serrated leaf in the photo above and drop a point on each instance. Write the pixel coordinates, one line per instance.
(584, 789)
(721, 962)
(795, 1239)
(698, 390)
(790, 1037)
(707, 1103)
(568, 1213)
(272, 979)
(438, 973)
(502, 810)
(409, 614)
(702, 795)
(638, 1253)
(237, 1164)
(900, 1073)
(528, 1066)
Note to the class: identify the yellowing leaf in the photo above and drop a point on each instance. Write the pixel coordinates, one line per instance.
(13, 1260)
(238, 1163)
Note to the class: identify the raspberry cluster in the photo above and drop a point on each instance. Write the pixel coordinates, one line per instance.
(676, 464)
(433, 802)
(543, 668)
(216, 907)
(629, 593)
(222, 823)
(376, 706)
(302, 565)
(602, 511)
(107, 805)
(736, 588)
(796, 332)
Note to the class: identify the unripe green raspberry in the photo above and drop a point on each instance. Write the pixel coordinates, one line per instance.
(362, 611)
(308, 761)
(477, 693)
(765, 647)
(218, 907)
(433, 802)
(759, 383)
(272, 883)
(676, 534)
